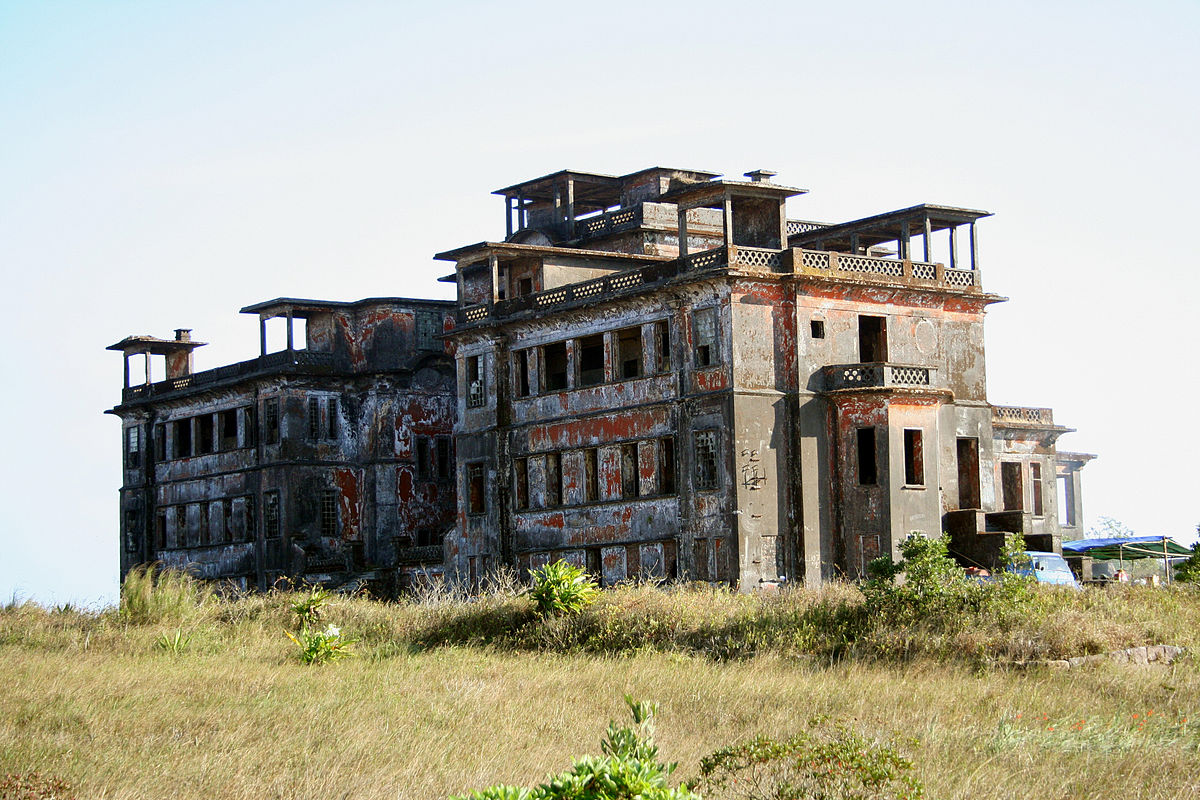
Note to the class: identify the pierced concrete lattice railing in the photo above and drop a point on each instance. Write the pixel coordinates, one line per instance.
(1022, 415)
(876, 376)
(285, 359)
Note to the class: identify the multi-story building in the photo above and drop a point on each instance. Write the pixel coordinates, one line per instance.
(661, 375)
(654, 375)
(328, 461)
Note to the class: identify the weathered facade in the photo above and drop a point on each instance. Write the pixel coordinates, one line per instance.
(661, 375)
(656, 375)
(328, 461)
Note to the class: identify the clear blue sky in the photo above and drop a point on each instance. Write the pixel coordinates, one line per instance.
(163, 164)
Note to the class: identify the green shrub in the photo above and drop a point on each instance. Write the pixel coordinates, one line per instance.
(829, 762)
(318, 647)
(151, 594)
(562, 588)
(308, 607)
(1188, 570)
(628, 770)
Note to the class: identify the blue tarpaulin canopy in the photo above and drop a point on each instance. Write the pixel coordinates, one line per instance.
(1125, 549)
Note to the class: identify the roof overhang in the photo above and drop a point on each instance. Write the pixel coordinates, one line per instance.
(888, 227)
(131, 345)
(301, 308)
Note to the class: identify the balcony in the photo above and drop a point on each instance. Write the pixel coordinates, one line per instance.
(285, 361)
(851, 377)
(841, 267)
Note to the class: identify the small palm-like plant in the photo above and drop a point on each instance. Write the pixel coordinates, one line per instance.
(308, 609)
(317, 647)
(562, 588)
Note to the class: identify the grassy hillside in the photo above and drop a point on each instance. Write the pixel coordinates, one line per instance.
(204, 697)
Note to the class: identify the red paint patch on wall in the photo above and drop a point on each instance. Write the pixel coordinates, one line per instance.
(596, 430)
(348, 483)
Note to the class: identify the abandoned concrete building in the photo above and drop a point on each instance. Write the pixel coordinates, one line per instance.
(661, 375)
(319, 462)
(655, 375)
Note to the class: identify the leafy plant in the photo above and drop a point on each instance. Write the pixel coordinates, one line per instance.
(628, 770)
(318, 647)
(176, 644)
(829, 762)
(308, 608)
(562, 588)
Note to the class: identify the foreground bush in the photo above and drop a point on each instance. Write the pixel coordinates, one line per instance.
(561, 588)
(829, 762)
(628, 770)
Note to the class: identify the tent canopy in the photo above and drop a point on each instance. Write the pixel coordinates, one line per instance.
(1125, 549)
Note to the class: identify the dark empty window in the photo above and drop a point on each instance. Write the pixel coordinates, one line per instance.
(704, 322)
(666, 465)
(523, 388)
(204, 433)
(183, 438)
(334, 417)
(133, 446)
(1035, 486)
(475, 497)
(968, 473)
(475, 387)
(329, 513)
(662, 345)
(249, 426)
(445, 459)
(160, 441)
(1012, 490)
(204, 522)
(226, 531)
(816, 328)
(591, 483)
(872, 339)
(271, 522)
(227, 427)
(181, 526)
(524, 286)
(271, 421)
(914, 458)
(591, 360)
(868, 466)
(314, 418)
(630, 474)
(554, 366)
(250, 522)
(706, 459)
(424, 458)
(521, 482)
(554, 493)
(629, 352)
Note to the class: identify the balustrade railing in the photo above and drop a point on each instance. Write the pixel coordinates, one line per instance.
(280, 360)
(877, 375)
(611, 222)
(1023, 415)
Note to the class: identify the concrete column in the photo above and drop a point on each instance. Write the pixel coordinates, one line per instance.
(570, 208)
(262, 335)
(291, 345)
(954, 248)
(494, 266)
(508, 216)
(727, 220)
(925, 239)
(126, 370)
(147, 355)
(683, 247)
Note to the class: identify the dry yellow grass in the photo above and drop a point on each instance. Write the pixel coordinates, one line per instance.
(92, 699)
